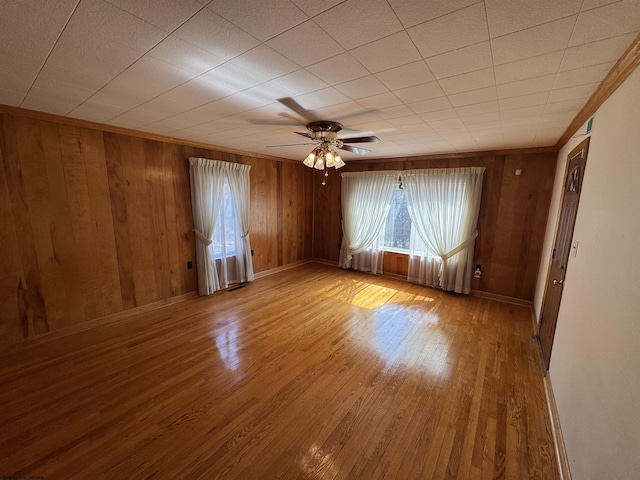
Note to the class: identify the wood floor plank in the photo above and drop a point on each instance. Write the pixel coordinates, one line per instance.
(313, 372)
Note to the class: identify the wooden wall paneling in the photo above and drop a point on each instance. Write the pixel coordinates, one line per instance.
(186, 237)
(264, 212)
(33, 314)
(36, 188)
(102, 231)
(488, 218)
(157, 217)
(62, 233)
(144, 239)
(83, 227)
(537, 183)
(169, 155)
(120, 198)
(296, 214)
(11, 278)
(308, 196)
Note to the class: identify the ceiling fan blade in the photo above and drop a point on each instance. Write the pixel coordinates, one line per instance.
(289, 145)
(372, 139)
(304, 134)
(291, 104)
(359, 151)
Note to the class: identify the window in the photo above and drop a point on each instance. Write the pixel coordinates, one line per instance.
(397, 232)
(226, 228)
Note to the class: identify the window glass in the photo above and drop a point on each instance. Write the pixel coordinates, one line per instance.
(397, 234)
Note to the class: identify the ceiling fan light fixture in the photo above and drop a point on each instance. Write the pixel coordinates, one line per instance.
(319, 162)
(310, 160)
(330, 159)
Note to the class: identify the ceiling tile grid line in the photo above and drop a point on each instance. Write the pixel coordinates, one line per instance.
(441, 76)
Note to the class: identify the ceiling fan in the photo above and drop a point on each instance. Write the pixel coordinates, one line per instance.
(324, 134)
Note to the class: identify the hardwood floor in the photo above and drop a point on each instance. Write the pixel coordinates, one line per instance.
(309, 373)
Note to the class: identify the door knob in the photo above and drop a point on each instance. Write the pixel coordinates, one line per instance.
(558, 282)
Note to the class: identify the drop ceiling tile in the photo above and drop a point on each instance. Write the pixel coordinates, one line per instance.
(321, 98)
(483, 118)
(68, 93)
(185, 56)
(477, 108)
(101, 109)
(386, 53)
(468, 81)
(526, 87)
(467, 59)
(300, 82)
(524, 101)
(145, 79)
(48, 104)
(133, 119)
(394, 112)
(339, 69)
(300, 44)
(408, 124)
(424, 91)
(412, 12)
(609, 21)
(535, 111)
(532, 42)
(431, 105)
(99, 42)
(17, 35)
(459, 29)
(406, 75)
(525, 122)
(233, 77)
(481, 95)
(261, 19)
(356, 22)
(10, 97)
(313, 7)
(602, 51)
(216, 35)
(591, 4)
(572, 93)
(380, 101)
(488, 128)
(362, 87)
(581, 76)
(559, 118)
(265, 63)
(165, 15)
(565, 106)
(197, 91)
(529, 68)
(515, 15)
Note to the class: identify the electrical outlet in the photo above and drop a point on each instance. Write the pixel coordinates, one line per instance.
(189, 265)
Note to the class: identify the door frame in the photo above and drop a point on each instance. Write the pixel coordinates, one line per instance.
(583, 145)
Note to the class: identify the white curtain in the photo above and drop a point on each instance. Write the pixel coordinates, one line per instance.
(444, 205)
(238, 177)
(220, 202)
(366, 197)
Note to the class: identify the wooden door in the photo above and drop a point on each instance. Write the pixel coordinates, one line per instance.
(562, 248)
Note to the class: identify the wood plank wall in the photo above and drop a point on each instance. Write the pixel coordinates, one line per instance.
(94, 223)
(513, 215)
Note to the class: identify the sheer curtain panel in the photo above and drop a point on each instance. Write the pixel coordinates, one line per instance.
(366, 198)
(444, 205)
(220, 202)
(238, 177)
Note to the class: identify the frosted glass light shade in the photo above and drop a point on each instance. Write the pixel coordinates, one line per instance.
(330, 159)
(310, 160)
(339, 162)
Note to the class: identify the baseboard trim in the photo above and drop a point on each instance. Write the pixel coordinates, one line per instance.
(96, 322)
(282, 268)
(325, 262)
(558, 440)
(502, 298)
